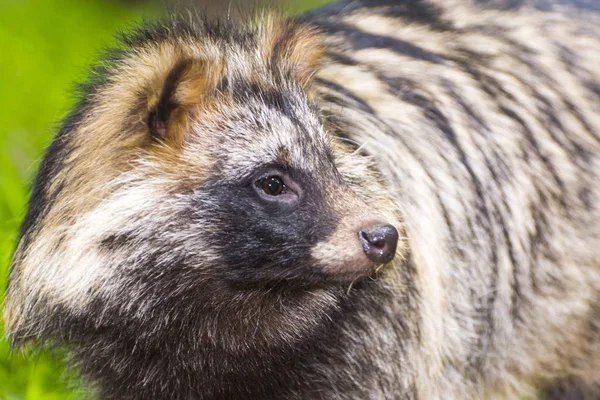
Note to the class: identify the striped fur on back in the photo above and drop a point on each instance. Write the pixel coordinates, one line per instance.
(487, 127)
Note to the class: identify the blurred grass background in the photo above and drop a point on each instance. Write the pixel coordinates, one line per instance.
(45, 47)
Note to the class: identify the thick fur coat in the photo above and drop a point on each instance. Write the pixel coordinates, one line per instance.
(150, 251)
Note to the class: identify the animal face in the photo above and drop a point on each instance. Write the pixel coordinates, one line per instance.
(202, 183)
(259, 184)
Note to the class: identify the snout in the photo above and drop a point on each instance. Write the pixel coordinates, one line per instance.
(379, 243)
(356, 249)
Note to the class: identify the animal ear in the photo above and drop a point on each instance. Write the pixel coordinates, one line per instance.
(186, 86)
(297, 48)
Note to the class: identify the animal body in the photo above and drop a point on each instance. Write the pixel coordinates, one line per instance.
(378, 199)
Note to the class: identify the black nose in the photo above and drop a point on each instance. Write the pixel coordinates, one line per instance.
(379, 243)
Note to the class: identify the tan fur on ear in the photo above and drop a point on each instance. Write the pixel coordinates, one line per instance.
(296, 47)
(188, 86)
(198, 82)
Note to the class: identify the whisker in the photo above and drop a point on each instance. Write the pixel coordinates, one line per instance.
(350, 286)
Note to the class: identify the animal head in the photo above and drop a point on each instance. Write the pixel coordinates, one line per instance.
(196, 184)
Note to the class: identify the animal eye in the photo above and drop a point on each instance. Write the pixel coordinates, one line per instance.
(271, 185)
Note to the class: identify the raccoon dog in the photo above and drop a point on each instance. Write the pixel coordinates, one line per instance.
(378, 199)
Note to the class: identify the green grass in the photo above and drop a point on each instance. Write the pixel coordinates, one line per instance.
(45, 47)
